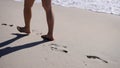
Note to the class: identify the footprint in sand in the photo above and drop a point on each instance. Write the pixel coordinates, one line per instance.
(36, 32)
(96, 57)
(4, 24)
(57, 47)
(11, 25)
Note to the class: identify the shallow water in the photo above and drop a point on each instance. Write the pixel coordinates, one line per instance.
(107, 6)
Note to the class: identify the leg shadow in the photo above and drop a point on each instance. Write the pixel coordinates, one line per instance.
(18, 36)
(9, 50)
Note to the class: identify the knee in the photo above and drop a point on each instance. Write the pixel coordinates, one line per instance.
(46, 7)
(27, 6)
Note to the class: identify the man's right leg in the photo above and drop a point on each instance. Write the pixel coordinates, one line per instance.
(27, 16)
(50, 19)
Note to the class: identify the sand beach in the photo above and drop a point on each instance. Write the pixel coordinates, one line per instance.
(83, 39)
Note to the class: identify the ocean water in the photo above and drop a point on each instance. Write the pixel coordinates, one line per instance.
(106, 6)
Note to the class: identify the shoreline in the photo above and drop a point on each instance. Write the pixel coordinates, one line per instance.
(109, 7)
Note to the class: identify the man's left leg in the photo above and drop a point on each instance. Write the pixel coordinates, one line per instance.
(27, 16)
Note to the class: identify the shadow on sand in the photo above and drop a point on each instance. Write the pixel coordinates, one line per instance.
(9, 50)
(18, 36)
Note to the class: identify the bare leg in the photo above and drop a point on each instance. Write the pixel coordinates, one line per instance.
(50, 19)
(27, 16)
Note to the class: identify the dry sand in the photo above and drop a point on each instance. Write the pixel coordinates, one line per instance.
(83, 39)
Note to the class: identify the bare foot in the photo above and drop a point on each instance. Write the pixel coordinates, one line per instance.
(23, 30)
(48, 38)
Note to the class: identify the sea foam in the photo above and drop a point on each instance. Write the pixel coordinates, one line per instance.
(107, 6)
